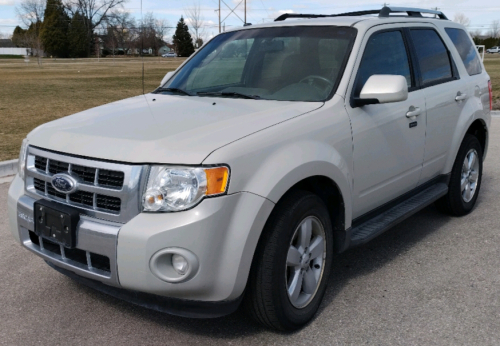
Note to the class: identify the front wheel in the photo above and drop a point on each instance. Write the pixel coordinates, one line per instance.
(465, 179)
(292, 263)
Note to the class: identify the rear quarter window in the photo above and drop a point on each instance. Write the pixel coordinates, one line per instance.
(466, 49)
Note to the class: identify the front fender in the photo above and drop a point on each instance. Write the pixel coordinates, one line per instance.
(268, 163)
(293, 163)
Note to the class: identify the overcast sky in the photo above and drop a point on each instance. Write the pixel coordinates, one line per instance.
(480, 12)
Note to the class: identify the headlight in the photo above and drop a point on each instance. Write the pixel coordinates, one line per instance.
(180, 188)
(22, 157)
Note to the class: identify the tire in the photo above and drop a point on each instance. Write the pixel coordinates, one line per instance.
(456, 202)
(272, 274)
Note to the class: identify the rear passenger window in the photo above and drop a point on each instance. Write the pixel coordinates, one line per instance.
(385, 53)
(432, 56)
(466, 49)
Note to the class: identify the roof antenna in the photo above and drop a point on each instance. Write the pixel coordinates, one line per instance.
(142, 49)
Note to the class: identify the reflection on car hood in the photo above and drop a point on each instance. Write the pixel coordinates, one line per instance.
(157, 128)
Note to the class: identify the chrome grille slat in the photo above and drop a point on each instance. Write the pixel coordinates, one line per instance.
(118, 200)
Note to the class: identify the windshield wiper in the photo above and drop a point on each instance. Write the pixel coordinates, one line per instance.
(229, 93)
(174, 90)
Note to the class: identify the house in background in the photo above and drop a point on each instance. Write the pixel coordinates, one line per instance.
(7, 47)
(167, 48)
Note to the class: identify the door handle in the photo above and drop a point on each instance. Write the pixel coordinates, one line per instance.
(413, 112)
(460, 97)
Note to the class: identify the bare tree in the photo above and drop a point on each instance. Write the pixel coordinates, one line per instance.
(495, 29)
(152, 33)
(461, 19)
(31, 13)
(95, 12)
(197, 23)
(162, 29)
(121, 25)
(475, 33)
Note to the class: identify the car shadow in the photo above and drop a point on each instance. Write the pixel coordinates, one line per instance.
(347, 266)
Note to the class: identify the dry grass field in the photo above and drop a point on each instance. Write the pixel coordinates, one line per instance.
(30, 95)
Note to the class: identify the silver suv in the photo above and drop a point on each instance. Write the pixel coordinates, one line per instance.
(270, 150)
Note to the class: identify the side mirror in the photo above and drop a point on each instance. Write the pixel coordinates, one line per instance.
(382, 88)
(167, 77)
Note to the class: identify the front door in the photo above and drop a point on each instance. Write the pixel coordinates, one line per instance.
(388, 145)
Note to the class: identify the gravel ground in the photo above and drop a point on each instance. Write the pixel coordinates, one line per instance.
(433, 280)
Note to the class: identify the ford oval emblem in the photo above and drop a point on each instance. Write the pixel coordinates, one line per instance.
(64, 183)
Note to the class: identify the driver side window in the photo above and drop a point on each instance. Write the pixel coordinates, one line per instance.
(385, 53)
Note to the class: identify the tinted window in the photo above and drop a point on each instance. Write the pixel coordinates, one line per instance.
(432, 56)
(466, 49)
(385, 53)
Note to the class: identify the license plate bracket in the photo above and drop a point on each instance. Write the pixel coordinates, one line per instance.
(56, 222)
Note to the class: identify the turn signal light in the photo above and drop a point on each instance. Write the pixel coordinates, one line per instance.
(216, 180)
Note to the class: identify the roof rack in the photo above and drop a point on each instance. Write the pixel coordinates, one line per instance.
(383, 13)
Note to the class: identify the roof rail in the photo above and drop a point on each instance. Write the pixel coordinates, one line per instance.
(412, 12)
(384, 12)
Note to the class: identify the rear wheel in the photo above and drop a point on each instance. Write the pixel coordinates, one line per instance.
(291, 266)
(465, 179)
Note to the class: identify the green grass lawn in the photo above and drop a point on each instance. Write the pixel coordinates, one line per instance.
(3, 57)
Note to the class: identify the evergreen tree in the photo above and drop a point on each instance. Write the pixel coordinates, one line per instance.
(55, 29)
(78, 41)
(182, 39)
(18, 36)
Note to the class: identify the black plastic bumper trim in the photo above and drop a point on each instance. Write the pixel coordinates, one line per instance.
(172, 306)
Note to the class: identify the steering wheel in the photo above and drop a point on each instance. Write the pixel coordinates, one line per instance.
(316, 77)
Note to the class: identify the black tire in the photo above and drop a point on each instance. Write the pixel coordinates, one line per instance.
(453, 203)
(266, 296)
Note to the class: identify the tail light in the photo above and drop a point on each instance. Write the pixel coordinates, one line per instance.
(490, 89)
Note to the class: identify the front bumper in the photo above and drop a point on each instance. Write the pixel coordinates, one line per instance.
(172, 306)
(221, 232)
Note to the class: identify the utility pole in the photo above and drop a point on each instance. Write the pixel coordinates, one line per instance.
(219, 18)
(245, 13)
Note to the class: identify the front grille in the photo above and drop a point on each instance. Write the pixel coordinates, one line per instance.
(56, 167)
(108, 203)
(110, 178)
(106, 190)
(86, 174)
(39, 185)
(87, 259)
(41, 163)
(84, 198)
(53, 192)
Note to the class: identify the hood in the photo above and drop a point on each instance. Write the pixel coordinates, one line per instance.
(168, 129)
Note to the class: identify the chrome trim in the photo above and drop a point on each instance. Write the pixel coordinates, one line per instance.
(96, 236)
(130, 193)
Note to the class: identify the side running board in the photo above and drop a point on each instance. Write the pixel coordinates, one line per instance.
(382, 222)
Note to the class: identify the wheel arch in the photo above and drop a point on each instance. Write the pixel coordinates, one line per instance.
(329, 192)
(478, 128)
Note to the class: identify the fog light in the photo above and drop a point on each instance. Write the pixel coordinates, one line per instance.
(180, 264)
(174, 265)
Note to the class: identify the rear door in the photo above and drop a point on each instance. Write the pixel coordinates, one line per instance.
(388, 147)
(445, 96)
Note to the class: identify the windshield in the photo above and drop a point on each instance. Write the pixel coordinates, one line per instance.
(297, 63)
